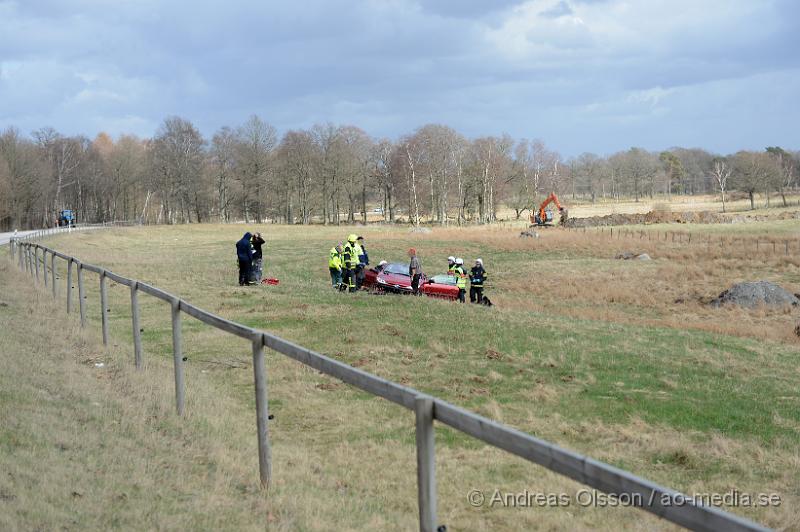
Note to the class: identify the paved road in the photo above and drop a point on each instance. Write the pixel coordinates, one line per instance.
(5, 237)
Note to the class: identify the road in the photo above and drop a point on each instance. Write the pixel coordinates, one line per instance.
(5, 237)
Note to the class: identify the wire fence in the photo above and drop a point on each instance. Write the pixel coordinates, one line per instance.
(757, 244)
(40, 263)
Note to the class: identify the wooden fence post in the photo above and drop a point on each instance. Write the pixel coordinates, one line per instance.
(262, 412)
(426, 463)
(53, 272)
(81, 295)
(104, 306)
(69, 285)
(177, 354)
(44, 267)
(36, 261)
(137, 330)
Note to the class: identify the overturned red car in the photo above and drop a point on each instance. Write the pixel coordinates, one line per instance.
(394, 278)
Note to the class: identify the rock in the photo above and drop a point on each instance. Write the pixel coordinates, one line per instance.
(644, 256)
(751, 295)
(529, 234)
(627, 255)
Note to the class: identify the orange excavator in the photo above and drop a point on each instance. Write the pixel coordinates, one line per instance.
(544, 216)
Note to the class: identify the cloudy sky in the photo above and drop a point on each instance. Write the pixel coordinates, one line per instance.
(582, 75)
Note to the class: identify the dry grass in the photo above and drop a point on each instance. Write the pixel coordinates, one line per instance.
(343, 457)
(676, 203)
(576, 274)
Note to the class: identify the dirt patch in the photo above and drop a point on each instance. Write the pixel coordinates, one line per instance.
(751, 295)
(491, 354)
(652, 217)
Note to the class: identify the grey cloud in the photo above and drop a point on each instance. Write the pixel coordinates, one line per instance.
(389, 67)
(558, 10)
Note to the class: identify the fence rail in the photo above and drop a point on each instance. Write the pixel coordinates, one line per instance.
(663, 502)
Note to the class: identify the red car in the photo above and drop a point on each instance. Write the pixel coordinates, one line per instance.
(393, 277)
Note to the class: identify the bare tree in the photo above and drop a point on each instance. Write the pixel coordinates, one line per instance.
(721, 171)
(752, 172)
(178, 158)
(256, 142)
(385, 175)
(298, 156)
(223, 163)
(786, 166)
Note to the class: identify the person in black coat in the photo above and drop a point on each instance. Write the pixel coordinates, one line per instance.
(477, 276)
(244, 253)
(258, 267)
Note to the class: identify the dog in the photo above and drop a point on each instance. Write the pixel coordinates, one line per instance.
(486, 301)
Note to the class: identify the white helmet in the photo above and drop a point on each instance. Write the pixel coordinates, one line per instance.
(451, 259)
(479, 261)
(460, 261)
(382, 263)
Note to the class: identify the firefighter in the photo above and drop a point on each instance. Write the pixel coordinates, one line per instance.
(451, 265)
(349, 263)
(335, 265)
(477, 276)
(461, 279)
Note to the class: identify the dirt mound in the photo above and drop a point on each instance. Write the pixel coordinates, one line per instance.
(751, 295)
(653, 217)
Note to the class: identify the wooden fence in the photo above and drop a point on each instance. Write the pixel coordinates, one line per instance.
(663, 502)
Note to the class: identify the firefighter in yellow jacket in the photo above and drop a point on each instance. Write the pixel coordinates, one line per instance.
(335, 265)
(461, 279)
(350, 263)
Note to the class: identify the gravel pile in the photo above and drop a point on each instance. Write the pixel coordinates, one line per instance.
(751, 295)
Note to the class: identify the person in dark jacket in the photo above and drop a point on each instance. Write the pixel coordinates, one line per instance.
(363, 262)
(244, 253)
(414, 271)
(477, 276)
(258, 264)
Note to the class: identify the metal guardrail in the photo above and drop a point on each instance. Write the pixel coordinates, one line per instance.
(663, 502)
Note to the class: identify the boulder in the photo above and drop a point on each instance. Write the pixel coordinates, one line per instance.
(754, 294)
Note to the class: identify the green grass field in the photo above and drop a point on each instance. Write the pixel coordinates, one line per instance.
(583, 350)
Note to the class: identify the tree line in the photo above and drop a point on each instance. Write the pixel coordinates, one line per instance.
(333, 174)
